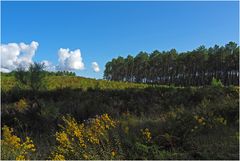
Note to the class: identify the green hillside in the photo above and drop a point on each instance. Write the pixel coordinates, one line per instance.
(132, 121)
(55, 82)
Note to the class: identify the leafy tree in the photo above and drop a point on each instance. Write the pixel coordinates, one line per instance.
(33, 77)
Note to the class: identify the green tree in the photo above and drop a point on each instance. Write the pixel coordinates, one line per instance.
(192, 68)
(33, 77)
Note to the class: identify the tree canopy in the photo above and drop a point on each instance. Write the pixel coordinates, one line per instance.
(33, 77)
(195, 68)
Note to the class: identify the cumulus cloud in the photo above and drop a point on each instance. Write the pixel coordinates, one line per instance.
(48, 66)
(70, 60)
(95, 67)
(4, 70)
(14, 55)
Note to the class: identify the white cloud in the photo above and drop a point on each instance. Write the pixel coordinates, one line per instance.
(48, 66)
(95, 67)
(4, 70)
(70, 60)
(14, 55)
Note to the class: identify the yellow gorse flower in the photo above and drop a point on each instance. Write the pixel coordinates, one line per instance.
(16, 145)
(58, 157)
(9, 138)
(21, 104)
(146, 134)
(20, 157)
(113, 153)
(200, 120)
(85, 156)
(62, 137)
(75, 136)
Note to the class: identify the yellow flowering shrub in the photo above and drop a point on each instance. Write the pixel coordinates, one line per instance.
(200, 120)
(220, 120)
(146, 134)
(21, 105)
(58, 157)
(88, 140)
(20, 157)
(210, 122)
(13, 148)
(113, 153)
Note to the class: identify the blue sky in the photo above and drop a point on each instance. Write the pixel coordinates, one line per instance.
(105, 30)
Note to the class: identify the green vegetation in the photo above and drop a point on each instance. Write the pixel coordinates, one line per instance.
(56, 116)
(216, 83)
(192, 68)
(47, 73)
(57, 82)
(33, 78)
(149, 122)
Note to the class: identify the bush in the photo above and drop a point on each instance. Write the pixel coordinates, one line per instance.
(88, 140)
(13, 148)
(216, 83)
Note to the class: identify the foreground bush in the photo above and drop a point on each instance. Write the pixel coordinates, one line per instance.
(88, 140)
(179, 134)
(13, 148)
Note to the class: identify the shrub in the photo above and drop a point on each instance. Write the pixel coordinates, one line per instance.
(21, 105)
(88, 140)
(216, 83)
(13, 148)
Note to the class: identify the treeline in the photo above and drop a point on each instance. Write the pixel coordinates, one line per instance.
(60, 73)
(195, 68)
(46, 73)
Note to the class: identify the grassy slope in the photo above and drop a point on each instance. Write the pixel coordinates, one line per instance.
(54, 82)
(154, 103)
